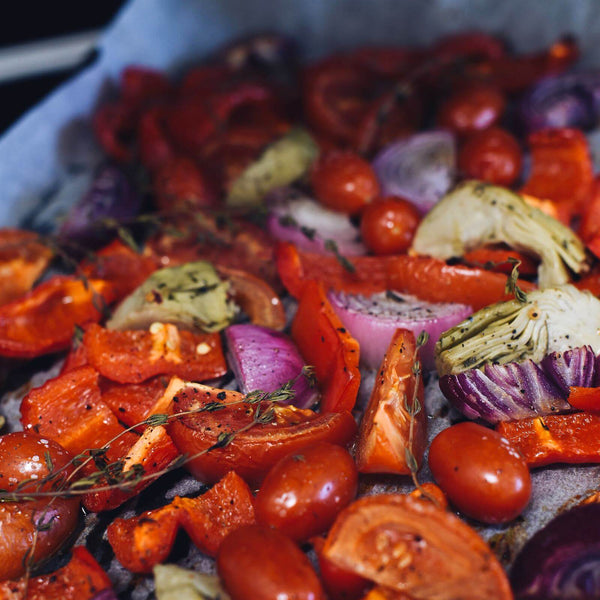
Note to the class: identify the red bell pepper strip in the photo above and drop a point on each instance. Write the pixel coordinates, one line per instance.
(252, 448)
(499, 258)
(144, 541)
(326, 345)
(82, 578)
(134, 356)
(386, 436)
(120, 266)
(23, 258)
(44, 320)
(572, 438)
(562, 169)
(427, 278)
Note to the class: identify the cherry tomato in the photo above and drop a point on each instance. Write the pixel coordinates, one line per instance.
(493, 155)
(344, 181)
(388, 225)
(260, 563)
(26, 456)
(341, 584)
(472, 108)
(482, 475)
(303, 493)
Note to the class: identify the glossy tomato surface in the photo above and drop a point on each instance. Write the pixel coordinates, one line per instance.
(482, 475)
(25, 456)
(344, 181)
(492, 155)
(260, 563)
(388, 225)
(472, 108)
(303, 493)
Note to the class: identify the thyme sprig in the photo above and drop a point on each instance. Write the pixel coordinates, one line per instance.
(115, 476)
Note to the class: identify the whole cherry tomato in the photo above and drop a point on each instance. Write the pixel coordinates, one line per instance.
(344, 181)
(493, 155)
(260, 563)
(388, 225)
(25, 456)
(480, 472)
(472, 108)
(303, 493)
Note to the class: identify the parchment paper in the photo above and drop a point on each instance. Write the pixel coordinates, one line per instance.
(46, 157)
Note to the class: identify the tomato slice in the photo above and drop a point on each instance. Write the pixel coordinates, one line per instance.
(427, 278)
(141, 542)
(326, 345)
(44, 320)
(134, 356)
(385, 437)
(414, 547)
(250, 453)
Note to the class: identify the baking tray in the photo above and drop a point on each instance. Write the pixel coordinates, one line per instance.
(46, 159)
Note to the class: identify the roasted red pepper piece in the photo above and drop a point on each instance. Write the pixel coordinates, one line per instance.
(572, 438)
(154, 146)
(69, 410)
(44, 320)
(255, 297)
(23, 258)
(120, 266)
(499, 259)
(427, 278)
(154, 451)
(585, 398)
(114, 125)
(134, 356)
(255, 447)
(562, 169)
(386, 436)
(589, 229)
(82, 578)
(326, 345)
(336, 95)
(131, 403)
(141, 542)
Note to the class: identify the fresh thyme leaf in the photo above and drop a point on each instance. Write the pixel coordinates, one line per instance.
(411, 461)
(422, 339)
(157, 419)
(126, 237)
(333, 247)
(48, 460)
(512, 286)
(224, 439)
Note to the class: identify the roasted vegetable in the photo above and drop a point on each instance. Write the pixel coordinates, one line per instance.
(476, 213)
(191, 295)
(551, 320)
(282, 163)
(174, 583)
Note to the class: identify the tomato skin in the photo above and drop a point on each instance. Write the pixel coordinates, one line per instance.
(339, 583)
(22, 455)
(493, 155)
(344, 181)
(472, 109)
(303, 493)
(388, 225)
(480, 472)
(260, 563)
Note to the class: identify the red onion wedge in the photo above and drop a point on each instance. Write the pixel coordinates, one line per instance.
(372, 321)
(264, 359)
(519, 390)
(420, 168)
(296, 218)
(562, 560)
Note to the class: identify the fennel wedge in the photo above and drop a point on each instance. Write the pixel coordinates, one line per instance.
(476, 213)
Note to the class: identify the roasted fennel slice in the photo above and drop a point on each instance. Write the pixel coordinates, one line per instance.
(476, 213)
(551, 320)
(191, 296)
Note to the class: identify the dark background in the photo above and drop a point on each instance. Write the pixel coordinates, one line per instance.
(32, 21)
